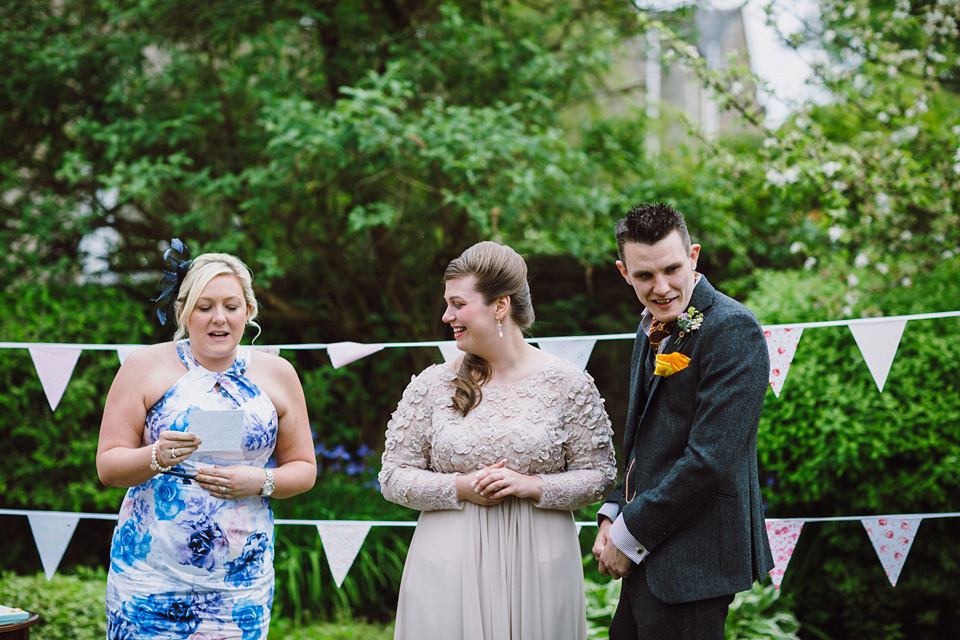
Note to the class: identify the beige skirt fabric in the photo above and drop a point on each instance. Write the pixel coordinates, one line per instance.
(508, 572)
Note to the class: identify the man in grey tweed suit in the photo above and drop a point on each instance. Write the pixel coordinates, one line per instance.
(684, 528)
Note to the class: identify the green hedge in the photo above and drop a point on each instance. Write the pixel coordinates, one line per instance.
(833, 445)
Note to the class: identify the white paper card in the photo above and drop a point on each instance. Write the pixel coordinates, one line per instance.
(217, 430)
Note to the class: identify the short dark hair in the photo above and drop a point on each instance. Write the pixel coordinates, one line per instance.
(649, 223)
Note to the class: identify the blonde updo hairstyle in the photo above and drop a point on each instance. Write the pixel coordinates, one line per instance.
(500, 271)
(205, 268)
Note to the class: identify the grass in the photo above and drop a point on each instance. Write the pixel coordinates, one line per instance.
(72, 607)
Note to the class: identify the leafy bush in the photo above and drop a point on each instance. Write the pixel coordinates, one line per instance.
(306, 591)
(753, 614)
(833, 445)
(71, 607)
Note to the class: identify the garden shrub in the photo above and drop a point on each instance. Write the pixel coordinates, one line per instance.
(833, 445)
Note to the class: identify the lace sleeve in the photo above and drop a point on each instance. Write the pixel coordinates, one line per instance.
(588, 451)
(405, 474)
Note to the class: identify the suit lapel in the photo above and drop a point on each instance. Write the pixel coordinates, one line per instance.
(701, 299)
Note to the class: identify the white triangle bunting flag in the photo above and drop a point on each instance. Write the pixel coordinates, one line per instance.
(52, 533)
(125, 350)
(783, 536)
(781, 345)
(449, 350)
(892, 539)
(341, 543)
(274, 351)
(343, 353)
(575, 351)
(54, 366)
(878, 342)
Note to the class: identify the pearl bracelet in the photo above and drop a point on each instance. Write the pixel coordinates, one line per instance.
(154, 464)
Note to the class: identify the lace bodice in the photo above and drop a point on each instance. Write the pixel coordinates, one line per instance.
(552, 424)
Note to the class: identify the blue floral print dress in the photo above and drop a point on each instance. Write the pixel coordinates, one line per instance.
(184, 563)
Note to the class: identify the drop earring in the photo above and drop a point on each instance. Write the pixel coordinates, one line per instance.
(499, 326)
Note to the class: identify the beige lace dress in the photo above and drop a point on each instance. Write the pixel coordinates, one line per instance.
(514, 570)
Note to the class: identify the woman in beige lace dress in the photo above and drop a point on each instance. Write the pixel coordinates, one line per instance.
(495, 450)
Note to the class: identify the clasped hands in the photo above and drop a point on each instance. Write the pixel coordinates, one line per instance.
(610, 560)
(489, 485)
(233, 482)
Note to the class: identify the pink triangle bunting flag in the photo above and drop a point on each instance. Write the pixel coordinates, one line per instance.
(878, 342)
(449, 350)
(125, 350)
(274, 351)
(783, 536)
(341, 543)
(892, 539)
(576, 351)
(781, 345)
(54, 367)
(343, 353)
(52, 533)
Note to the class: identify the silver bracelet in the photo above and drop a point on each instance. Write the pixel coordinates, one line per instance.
(154, 464)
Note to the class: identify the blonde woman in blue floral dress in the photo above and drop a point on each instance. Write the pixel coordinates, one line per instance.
(192, 553)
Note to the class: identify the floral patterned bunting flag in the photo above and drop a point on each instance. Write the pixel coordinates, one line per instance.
(781, 345)
(783, 536)
(892, 539)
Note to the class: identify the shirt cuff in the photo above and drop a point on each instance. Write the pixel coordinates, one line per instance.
(609, 510)
(622, 539)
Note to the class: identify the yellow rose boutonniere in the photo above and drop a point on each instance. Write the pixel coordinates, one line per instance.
(669, 363)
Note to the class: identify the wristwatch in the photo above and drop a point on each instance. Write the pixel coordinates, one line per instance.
(267, 487)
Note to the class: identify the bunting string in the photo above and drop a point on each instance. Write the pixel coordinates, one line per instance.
(877, 339)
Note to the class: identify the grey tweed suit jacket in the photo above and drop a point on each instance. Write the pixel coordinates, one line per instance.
(690, 450)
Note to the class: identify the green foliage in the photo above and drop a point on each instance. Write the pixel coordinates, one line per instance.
(602, 599)
(757, 613)
(833, 445)
(753, 614)
(52, 455)
(71, 607)
(306, 591)
(344, 629)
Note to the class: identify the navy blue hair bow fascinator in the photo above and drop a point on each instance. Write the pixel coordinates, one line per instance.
(173, 277)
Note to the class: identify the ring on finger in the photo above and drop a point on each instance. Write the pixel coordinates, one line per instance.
(223, 489)
(174, 452)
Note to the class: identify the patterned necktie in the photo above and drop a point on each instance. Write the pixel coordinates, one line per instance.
(659, 331)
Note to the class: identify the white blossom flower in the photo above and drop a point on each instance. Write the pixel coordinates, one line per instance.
(830, 168)
(883, 202)
(852, 280)
(906, 281)
(797, 247)
(835, 233)
(770, 142)
(906, 236)
(861, 260)
(946, 255)
(810, 263)
(838, 185)
(883, 268)
(906, 134)
(883, 116)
